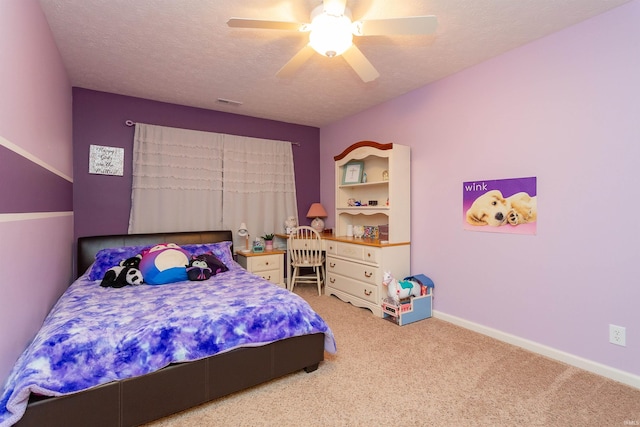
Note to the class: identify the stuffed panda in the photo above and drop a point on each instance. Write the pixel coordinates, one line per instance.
(126, 273)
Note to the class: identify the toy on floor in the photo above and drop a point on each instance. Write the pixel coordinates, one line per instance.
(126, 273)
(398, 290)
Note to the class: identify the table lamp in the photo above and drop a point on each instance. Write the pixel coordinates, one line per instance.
(317, 212)
(243, 232)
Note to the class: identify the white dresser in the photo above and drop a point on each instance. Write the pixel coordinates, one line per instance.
(355, 271)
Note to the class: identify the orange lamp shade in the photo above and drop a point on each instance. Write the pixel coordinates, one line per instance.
(316, 211)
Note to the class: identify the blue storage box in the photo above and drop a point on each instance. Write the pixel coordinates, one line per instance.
(413, 309)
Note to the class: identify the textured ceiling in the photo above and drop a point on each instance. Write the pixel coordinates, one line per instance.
(182, 52)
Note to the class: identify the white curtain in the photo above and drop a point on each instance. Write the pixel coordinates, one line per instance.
(259, 184)
(185, 180)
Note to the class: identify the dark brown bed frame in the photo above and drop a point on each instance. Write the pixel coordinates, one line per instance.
(177, 387)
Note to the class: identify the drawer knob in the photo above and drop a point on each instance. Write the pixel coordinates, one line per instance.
(266, 263)
(367, 275)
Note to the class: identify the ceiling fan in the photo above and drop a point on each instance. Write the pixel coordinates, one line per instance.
(331, 32)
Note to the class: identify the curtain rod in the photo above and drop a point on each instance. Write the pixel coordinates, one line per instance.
(131, 123)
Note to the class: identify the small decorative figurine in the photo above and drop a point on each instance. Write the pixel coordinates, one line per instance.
(290, 224)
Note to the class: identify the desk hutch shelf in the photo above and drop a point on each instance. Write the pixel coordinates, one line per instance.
(354, 265)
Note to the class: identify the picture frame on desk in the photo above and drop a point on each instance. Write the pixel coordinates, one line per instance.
(353, 172)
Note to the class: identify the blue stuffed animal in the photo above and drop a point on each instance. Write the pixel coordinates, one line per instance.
(164, 263)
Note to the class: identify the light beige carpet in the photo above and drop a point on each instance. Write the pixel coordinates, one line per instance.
(428, 373)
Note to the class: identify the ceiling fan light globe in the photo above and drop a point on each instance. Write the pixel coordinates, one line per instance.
(330, 35)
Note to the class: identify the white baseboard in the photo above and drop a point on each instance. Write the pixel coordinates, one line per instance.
(570, 359)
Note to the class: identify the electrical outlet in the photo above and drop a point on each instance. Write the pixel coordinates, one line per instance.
(617, 335)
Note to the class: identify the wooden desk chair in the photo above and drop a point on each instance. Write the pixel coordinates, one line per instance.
(305, 251)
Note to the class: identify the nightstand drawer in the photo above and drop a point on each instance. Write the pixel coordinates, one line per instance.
(271, 275)
(269, 265)
(265, 262)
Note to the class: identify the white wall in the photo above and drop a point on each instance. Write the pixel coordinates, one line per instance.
(564, 109)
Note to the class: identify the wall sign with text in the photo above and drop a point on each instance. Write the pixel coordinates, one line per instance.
(106, 160)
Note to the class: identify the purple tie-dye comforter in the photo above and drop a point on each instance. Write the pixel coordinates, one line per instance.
(96, 335)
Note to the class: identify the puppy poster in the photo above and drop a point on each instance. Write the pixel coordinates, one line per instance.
(500, 206)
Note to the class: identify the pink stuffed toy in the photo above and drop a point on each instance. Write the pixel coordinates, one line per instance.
(164, 263)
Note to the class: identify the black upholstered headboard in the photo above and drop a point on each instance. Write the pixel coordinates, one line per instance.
(88, 247)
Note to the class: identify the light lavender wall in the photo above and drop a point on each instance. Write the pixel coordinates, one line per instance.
(36, 218)
(565, 109)
(102, 203)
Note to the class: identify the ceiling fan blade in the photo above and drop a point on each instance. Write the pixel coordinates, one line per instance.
(360, 64)
(395, 26)
(334, 7)
(265, 25)
(296, 62)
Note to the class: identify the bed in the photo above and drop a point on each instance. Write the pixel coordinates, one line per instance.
(237, 351)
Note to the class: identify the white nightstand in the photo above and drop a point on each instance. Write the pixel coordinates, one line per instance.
(268, 264)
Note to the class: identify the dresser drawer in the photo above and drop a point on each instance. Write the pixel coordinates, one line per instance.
(354, 270)
(372, 255)
(350, 251)
(359, 252)
(365, 291)
(265, 262)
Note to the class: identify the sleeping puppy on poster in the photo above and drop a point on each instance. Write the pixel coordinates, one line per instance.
(492, 209)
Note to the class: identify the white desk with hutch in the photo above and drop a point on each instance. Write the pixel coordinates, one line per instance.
(355, 266)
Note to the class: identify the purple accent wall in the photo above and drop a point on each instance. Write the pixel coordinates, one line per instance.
(28, 187)
(102, 203)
